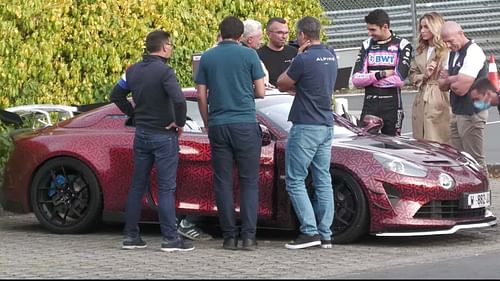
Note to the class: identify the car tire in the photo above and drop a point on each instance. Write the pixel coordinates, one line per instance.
(351, 218)
(66, 197)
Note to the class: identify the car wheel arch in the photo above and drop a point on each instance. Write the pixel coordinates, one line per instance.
(84, 161)
(95, 216)
(360, 223)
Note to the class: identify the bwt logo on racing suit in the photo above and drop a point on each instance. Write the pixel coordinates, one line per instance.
(382, 58)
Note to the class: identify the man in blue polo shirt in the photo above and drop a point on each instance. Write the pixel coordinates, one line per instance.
(312, 75)
(234, 77)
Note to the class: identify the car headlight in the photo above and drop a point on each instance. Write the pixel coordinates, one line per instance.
(400, 166)
(446, 181)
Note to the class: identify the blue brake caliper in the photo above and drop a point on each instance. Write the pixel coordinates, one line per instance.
(57, 183)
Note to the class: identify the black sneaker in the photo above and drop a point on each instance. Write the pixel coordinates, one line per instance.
(326, 244)
(175, 245)
(304, 241)
(191, 231)
(130, 243)
(249, 244)
(230, 243)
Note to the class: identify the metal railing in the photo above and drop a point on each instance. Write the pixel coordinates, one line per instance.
(480, 20)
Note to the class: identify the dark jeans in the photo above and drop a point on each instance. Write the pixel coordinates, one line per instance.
(162, 149)
(240, 143)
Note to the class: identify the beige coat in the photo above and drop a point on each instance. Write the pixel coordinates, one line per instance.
(431, 107)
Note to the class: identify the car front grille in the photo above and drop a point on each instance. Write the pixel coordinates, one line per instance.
(447, 209)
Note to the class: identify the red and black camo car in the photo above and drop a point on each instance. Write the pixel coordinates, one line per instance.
(76, 173)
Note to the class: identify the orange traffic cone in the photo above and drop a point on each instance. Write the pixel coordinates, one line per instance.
(493, 72)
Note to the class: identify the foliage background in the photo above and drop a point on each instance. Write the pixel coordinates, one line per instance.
(5, 148)
(74, 51)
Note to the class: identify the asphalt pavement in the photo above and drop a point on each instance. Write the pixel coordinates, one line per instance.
(28, 251)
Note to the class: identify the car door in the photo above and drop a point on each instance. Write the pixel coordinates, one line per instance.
(195, 193)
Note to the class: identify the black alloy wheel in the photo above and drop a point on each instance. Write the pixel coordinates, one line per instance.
(65, 196)
(351, 218)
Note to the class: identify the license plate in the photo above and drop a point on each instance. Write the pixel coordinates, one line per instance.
(476, 200)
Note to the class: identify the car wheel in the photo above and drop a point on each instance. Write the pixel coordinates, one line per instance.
(351, 218)
(65, 196)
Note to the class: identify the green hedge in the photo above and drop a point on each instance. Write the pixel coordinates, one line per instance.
(72, 52)
(5, 148)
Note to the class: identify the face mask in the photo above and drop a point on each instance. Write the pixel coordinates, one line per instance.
(481, 105)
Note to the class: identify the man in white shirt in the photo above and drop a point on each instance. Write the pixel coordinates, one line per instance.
(466, 64)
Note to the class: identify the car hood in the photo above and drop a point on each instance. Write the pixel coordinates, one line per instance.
(417, 151)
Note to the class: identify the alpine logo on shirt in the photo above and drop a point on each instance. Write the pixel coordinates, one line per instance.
(393, 48)
(325, 59)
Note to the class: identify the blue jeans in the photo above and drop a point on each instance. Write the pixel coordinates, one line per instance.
(162, 149)
(240, 143)
(309, 146)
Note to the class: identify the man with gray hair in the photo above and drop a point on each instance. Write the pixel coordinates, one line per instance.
(312, 74)
(252, 34)
(252, 38)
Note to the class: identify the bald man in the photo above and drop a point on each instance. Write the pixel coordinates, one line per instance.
(466, 64)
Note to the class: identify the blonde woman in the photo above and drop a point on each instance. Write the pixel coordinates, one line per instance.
(431, 108)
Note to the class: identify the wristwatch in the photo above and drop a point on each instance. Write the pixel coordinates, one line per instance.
(383, 74)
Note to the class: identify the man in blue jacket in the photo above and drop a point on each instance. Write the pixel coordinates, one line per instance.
(159, 116)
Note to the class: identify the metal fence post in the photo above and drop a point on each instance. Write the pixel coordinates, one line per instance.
(414, 23)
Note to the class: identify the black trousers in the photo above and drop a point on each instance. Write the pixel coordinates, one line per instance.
(387, 107)
(238, 144)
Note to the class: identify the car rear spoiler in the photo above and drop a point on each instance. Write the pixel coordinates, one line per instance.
(11, 118)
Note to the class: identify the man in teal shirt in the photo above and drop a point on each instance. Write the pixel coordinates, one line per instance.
(229, 78)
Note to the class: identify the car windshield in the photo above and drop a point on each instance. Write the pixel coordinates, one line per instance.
(276, 108)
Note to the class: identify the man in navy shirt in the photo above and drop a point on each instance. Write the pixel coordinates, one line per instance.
(312, 75)
(159, 115)
(234, 77)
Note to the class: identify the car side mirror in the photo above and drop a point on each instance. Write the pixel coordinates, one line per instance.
(372, 124)
(266, 135)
